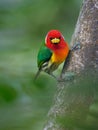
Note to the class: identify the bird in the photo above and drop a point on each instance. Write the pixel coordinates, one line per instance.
(52, 53)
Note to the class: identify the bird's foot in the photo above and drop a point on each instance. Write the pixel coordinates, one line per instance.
(76, 46)
(66, 77)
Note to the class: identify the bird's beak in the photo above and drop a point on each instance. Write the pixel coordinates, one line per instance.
(55, 40)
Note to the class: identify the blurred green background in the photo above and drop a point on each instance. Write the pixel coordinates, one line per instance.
(23, 26)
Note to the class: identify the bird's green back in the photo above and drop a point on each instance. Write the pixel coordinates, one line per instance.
(44, 55)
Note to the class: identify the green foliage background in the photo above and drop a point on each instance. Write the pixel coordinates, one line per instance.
(23, 26)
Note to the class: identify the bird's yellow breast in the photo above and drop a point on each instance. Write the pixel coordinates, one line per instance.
(59, 56)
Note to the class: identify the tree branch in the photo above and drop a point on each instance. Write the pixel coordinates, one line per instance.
(73, 96)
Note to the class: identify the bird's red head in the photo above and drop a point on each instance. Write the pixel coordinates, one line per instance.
(55, 40)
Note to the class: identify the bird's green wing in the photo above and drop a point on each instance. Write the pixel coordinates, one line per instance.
(44, 55)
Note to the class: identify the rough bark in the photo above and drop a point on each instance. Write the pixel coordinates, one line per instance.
(72, 101)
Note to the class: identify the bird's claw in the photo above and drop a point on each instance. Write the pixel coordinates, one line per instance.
(66, 77)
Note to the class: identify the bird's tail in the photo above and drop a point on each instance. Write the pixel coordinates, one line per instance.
(37, 74)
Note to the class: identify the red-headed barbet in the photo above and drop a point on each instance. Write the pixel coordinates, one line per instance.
(52, 53)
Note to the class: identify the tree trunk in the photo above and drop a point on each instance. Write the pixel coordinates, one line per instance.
(75, 103)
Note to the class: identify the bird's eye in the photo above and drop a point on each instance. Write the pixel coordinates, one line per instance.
(51, 38)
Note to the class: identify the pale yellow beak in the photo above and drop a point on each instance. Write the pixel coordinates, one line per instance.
(55, 40)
